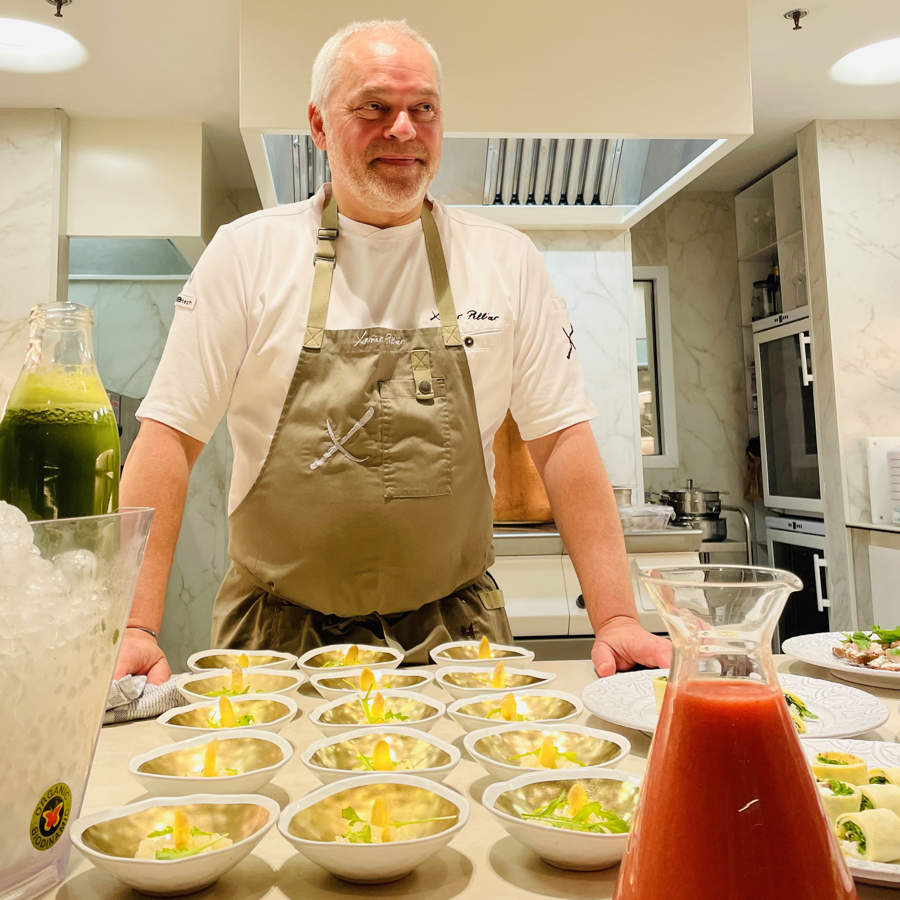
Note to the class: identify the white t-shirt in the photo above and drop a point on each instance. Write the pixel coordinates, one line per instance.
(240, 319)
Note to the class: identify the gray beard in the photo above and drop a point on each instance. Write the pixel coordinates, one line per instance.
(392, 196)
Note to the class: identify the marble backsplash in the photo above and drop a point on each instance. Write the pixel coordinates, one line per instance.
(131, 321)
(693, 234)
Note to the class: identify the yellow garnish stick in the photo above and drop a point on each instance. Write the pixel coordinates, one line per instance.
(547, 754)
(576, 798)
(243, 660)
(377, 707)
(181, 830)
(381, 757)
(508, 707)
(209, 759)
(237, 678)
(497, 679)
(484, 648)
(366, 680)
(227, 718)
(351, 657)
(379, 817)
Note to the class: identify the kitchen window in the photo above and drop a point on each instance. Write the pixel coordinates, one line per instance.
(655, 374)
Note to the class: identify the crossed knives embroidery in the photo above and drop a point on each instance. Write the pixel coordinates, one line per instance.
(338, 443)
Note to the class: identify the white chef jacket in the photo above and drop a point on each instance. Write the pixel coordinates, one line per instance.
(240, 319)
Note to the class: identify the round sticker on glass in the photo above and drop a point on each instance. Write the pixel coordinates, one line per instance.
(50, 816)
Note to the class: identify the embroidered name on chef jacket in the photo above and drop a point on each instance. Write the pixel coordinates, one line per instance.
(471, 315)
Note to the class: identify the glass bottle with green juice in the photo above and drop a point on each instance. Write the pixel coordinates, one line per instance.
(59, 442)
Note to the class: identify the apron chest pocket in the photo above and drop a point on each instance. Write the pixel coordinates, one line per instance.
(415, 440)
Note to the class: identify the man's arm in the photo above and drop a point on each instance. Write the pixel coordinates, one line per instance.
(585, 512)
(156, 474)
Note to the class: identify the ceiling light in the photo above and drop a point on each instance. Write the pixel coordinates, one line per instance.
(873, 64)
(30, 47)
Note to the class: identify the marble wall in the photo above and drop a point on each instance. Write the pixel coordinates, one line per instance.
(693, 234)
(592, 270)
(32, 217)
(131, 321)
(850, 179)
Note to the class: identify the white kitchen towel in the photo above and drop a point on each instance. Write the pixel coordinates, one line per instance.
(132, 698)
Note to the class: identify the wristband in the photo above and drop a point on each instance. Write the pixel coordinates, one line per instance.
(149, 631)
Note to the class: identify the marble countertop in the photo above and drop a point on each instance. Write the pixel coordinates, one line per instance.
(481, 861)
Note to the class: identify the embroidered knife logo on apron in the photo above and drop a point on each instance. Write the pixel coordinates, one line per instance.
(338, 444)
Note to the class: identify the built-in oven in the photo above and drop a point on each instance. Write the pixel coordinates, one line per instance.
(787, 422)
(798, 545)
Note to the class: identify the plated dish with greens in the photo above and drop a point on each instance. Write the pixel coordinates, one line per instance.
(870, 656)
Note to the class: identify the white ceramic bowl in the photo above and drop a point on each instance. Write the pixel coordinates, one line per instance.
(465, 653)
(106, 842)
(260, 755)
(370, 863)
(369, 658)
(193, 686)
(364, 737)
(328, 715)
(563, 706)
(589, 744)
(282, 708)
(578, 850)
(523, 680)
(393, 679)
(259, 659)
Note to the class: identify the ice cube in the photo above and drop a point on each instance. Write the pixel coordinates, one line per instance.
(78, 567)
(15, 532)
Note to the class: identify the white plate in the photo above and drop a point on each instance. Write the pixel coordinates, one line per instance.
(627, 699)
(815, 649)
(878, 755)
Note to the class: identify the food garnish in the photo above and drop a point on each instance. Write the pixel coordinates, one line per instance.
(226, 717)
(878, 776)
(484, 648)
(873, 649)
(243, 661)
(574, 811)
(378, 829)
(547, 754)
(351, 658)
(840, 787)
(507, 710)
(498, 679)
(380, 760)
(236, 686)
(179, 840)
(366, 680)
(850, 831)
(210, 768)
(377, 712)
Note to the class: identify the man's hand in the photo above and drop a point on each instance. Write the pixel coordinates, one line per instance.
(621, 642)
(141, 655)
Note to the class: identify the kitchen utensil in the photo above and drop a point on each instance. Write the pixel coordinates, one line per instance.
(697, 508)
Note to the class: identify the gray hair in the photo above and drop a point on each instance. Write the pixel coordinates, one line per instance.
(324, 70)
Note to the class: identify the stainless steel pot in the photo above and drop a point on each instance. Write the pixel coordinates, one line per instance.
(691, 501)
(713, 529)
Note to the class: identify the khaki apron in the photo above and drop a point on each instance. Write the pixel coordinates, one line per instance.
(371, 518)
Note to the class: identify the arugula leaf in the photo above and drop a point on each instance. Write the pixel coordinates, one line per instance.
(887, 635)
(196, 832)
(829, 761)
(350, 814)
(866, 803)
(160, 832)
(860, 638)
(366, 761)
(361, 836)
(803, 710)
(230, 771)
(879, 779)
(850, 831)
(246, 719)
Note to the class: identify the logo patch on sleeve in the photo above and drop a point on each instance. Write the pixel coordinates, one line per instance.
(185, 301)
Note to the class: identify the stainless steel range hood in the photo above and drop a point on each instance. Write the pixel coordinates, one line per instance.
(537, 182)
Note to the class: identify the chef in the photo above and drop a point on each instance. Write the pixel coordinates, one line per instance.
(365, 345)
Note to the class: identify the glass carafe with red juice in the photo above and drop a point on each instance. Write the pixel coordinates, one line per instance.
(728, 807)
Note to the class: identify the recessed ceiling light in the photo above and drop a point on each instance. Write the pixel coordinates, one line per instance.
(30, 47)
(873, 64)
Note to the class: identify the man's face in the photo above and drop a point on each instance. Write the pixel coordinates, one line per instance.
(382, 129)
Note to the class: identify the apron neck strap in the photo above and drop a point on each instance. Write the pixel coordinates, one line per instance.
(324, 260)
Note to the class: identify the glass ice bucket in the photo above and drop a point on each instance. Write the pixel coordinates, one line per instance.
(66, 587)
